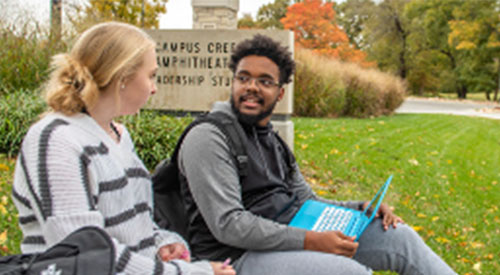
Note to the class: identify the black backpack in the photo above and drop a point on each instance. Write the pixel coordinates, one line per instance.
(88, 250)
(169, 211)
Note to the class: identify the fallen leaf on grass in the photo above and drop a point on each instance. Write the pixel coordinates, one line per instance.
(3, 237)
(421, 215)
(322, 192)
(476, 245)
(4, 167)
(417, 228)
(477, 267)
(5, 200)
(442, 240)
(334, 151)
(3, 210)
(413, 162)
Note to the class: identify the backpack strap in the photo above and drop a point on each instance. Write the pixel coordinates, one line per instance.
(230, 128)
(236, 137)
(289, 157)
(167, 168)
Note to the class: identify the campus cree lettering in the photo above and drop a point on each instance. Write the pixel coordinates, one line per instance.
(194, 64)
(178, 47)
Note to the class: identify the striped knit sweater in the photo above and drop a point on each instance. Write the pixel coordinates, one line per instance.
(70, 174)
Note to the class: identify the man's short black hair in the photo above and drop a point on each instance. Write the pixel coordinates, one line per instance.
(262, 45)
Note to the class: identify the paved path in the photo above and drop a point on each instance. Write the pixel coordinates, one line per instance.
(439, 106)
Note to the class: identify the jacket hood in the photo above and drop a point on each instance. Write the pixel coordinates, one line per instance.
(223, 106)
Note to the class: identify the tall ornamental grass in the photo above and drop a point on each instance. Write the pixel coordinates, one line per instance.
(326, 87)
(25, 53)
(18, 110)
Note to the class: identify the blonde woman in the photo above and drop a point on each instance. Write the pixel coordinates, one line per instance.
(77, 167)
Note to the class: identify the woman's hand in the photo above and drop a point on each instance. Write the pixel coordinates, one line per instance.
(173, 252)
(222, 269)
(388, 217)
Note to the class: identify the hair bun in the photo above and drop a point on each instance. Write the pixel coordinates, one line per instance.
(75, 83)
(75, 74)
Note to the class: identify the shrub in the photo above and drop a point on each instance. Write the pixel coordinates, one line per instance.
(18, 110)
(154, 134)
(327, 87)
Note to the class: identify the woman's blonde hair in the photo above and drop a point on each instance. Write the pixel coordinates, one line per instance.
(103, 54)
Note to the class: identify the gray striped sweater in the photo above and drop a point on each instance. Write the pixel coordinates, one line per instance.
(70, 174)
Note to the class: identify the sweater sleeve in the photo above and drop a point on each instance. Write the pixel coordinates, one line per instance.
(206, 161)
(63, 194)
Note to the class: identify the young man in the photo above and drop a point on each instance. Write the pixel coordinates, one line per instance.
(245, 217)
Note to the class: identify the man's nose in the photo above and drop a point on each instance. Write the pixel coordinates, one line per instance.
(252, 83)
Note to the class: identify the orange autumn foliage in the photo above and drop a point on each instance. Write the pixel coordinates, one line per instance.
(313, 23)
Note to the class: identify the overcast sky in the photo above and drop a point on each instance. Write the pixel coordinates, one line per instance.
(179, 12)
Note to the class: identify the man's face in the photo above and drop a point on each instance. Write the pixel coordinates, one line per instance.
(256, 89)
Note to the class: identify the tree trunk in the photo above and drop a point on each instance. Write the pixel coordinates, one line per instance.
(498, 81)
(55, 19)
(462, 92)
(402, 54)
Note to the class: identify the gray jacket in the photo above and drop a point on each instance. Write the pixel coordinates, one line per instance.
(206, 161)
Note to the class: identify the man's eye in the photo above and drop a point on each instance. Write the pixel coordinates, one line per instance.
(266, 82)
(243, 78)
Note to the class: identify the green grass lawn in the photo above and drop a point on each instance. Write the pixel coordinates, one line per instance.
(10, 235)
(445, 178)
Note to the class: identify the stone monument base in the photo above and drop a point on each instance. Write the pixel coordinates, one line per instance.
(285, 130)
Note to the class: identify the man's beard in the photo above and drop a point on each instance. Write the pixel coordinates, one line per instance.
(251, 119)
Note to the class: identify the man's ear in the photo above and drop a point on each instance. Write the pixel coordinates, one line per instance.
(281, 93)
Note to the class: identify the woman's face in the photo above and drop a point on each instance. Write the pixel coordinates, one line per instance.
(142, 84)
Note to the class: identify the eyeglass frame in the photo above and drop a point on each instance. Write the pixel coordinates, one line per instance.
(258, 81)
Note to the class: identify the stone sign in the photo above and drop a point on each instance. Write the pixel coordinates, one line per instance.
(194, 72)
(194, 68)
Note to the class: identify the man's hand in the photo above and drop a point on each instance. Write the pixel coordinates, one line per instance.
(388, 216)
(174, 251)
(334, 242)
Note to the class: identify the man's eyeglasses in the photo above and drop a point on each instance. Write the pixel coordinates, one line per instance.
(262, 82)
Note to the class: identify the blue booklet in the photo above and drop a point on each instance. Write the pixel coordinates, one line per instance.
(320, 216)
